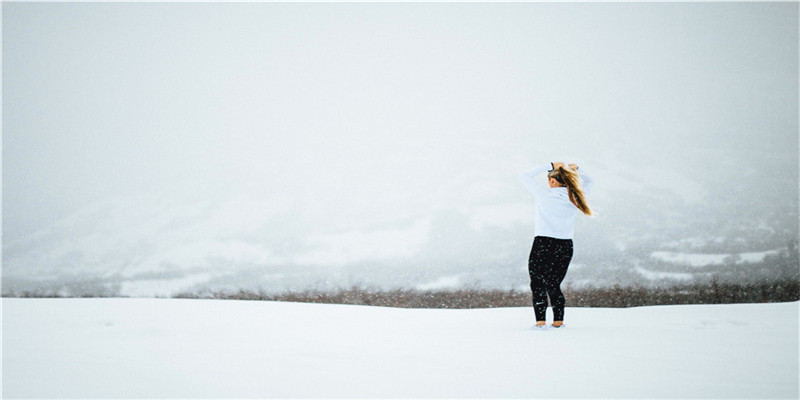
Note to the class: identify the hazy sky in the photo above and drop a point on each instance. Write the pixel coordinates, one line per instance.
(350, 112)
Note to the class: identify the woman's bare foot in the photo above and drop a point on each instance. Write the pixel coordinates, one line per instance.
(540, 323)
(557, 324)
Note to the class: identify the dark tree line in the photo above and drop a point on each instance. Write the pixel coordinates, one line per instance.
(617, 296)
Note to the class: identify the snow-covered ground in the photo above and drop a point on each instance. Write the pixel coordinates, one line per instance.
(148, 348)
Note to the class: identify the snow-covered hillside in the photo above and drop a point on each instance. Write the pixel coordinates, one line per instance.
(160, 246)
(148, 348)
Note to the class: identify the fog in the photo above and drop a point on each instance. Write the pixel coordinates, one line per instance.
(156, 147)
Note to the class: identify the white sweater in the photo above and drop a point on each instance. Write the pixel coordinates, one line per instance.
(554, 214)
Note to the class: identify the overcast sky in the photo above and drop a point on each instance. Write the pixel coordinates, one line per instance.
(366, 109)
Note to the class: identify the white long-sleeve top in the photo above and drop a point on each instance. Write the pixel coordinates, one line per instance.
(554, 214)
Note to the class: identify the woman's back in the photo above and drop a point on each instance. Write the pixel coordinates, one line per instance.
(554, 212)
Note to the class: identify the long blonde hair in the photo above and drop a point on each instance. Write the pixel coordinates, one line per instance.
(570, 178)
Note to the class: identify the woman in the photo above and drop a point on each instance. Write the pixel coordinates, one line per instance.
(554, 225)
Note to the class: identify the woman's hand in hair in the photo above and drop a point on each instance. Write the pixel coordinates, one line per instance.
(573, 167)
(557, 164)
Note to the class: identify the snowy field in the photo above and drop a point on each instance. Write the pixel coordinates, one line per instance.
(168, 348)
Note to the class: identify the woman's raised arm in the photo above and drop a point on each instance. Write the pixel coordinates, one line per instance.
(528, 179)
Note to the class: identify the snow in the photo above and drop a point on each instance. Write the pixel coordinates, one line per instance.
(692, 259)
(660, 276)
(157, 348)
(702, 259)
(759, 256)
(445, 282)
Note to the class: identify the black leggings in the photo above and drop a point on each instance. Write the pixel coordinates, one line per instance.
(547, 266)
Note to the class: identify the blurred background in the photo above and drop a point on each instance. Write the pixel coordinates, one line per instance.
(157, 148)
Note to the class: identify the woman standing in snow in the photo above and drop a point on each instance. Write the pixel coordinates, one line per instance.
(554, 225)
